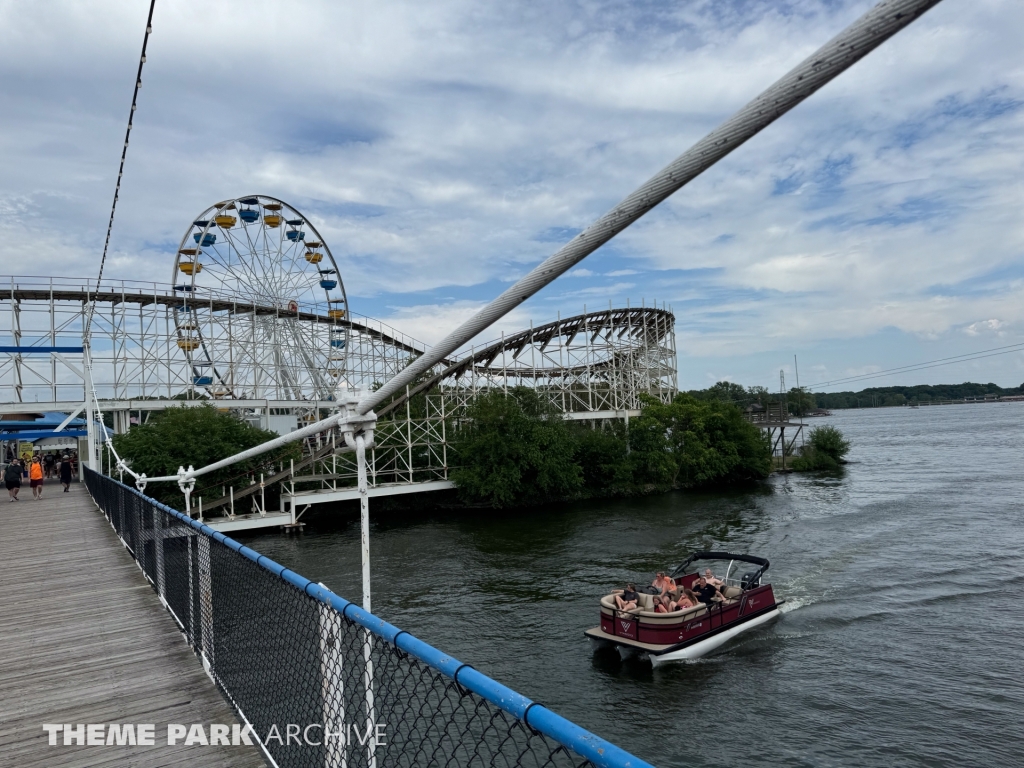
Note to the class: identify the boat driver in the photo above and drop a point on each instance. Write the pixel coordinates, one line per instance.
(665, 584)
(708, 593)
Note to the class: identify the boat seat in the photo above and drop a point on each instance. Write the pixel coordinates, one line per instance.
(650, 617)
(608, 602)
(731, 591)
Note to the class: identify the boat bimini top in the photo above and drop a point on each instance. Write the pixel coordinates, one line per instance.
(751, 577)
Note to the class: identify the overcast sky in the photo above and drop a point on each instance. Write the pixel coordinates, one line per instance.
(444, 148)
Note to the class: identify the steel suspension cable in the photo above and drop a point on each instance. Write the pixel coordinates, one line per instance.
(837, 55)
(87, 354)
(124, 154)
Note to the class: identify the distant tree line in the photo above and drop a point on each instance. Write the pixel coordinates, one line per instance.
(881, 397)
(801, 402)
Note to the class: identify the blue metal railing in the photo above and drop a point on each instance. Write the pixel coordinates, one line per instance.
(136, 517)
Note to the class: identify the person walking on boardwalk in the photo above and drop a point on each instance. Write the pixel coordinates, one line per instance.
(35, 478)
(65, 472)
(12, 479)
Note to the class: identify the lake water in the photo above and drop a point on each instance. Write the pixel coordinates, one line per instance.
(902, 642)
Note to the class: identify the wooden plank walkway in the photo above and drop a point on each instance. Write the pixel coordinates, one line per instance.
(84, 639)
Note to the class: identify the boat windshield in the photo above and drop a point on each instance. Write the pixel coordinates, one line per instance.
(741, 571)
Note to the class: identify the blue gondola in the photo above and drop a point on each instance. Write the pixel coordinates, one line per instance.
(328, 285)
(296, 234)
(338, 343)
(295, 222)
(202, 224)
(202, 381)
(185, 288)
(207, 240)
(248, 215)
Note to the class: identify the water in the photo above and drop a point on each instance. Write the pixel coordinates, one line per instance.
(901, 644)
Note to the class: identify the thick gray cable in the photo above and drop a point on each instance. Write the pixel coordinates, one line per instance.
(845, 49)
(852, 44)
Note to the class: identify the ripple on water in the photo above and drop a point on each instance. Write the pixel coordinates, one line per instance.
(898, 646)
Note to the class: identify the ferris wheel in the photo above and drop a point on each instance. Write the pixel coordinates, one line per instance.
(263, 311)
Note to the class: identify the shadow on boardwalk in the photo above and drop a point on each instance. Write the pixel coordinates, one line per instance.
(84, 639)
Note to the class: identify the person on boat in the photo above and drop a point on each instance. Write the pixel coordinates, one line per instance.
(708, 593)
(662, 604)
(628, 598)
(712, 579)
(686, 600)
(665, 584)
(65, 472)
(12, 479)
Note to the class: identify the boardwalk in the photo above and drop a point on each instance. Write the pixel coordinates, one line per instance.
(84, 639)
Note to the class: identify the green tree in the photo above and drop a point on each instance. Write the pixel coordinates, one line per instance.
(196, 435)
(512, 451)
(723, 391)
(800, 401)
(690, 443)
(602, 456)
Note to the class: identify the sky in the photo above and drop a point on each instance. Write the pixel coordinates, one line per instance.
(443, 149)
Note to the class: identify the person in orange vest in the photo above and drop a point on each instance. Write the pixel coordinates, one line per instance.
(35, 478)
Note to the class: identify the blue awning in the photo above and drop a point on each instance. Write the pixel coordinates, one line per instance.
(39, 435)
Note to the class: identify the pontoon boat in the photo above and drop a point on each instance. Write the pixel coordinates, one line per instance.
(692, 632)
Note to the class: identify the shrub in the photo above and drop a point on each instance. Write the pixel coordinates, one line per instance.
(828, 440)
(825, 450)
(196, 435)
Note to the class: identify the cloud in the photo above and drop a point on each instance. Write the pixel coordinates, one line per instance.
(984, 326)
(444, 148)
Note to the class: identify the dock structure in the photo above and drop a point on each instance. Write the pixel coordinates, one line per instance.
(775, 420)
(85, 640)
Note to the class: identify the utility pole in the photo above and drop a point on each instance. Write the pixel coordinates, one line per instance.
(783, 414)
(800, 392)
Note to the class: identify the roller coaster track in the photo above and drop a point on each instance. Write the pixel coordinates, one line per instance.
(621, 326)
(86, 296)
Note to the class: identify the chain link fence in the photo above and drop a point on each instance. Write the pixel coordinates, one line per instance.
(320, 681)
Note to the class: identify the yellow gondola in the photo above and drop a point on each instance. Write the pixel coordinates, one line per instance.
(313, 244)
(272, 206)
(188, 343)
(225, 222)
(336, 314)
(335, 372)
(314, 258)
(190, 267)
(273, 220)
(188, 251)
(225, 206)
